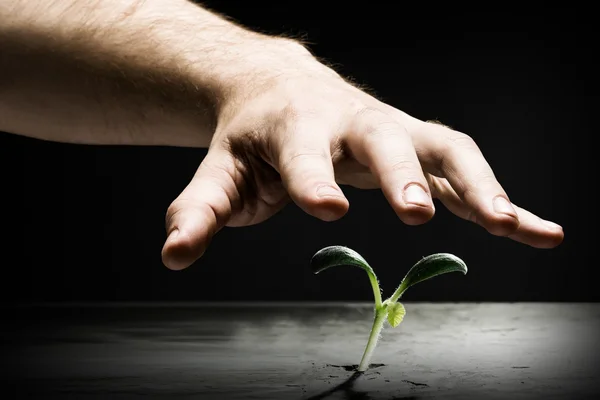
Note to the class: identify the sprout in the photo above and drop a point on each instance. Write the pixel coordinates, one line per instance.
(390, 309)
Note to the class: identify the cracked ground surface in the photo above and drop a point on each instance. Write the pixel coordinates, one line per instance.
(301, 351)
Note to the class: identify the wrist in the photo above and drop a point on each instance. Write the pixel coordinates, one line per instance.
(261, 63)
(249, 62)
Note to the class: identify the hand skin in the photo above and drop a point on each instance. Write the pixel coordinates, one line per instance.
(280, 125)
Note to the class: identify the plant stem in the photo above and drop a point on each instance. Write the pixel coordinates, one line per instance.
(398, 293)
(376, 289)
(380, 314)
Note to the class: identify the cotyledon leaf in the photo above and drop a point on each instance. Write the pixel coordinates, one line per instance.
(338, 255)
(428, 267)
(396, 313)
(332, 256)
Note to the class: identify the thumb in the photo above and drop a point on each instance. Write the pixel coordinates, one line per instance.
(200, 211)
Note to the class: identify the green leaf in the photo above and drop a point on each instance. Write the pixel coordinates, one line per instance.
(428, 267)
(396, 313)
(340, 255)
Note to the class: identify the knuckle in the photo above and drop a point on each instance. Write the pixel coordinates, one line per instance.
(303, 158)
(293, 112)
(363, 110)
(280, 118)
(174, 208)
(461, 140)
(376, 125)
(485, 179)
(293, 121)
(438, 123)
(451, 138)
(481, 182)
(217, 170)
(289, 112)
(401, 164)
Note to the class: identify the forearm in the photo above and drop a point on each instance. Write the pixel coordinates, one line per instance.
(153, 72)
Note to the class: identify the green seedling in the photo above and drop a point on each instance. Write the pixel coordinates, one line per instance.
(390, 309)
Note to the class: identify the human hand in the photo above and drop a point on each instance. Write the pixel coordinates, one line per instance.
(297, 133)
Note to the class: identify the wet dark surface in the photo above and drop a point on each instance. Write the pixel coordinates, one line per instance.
(450, 351)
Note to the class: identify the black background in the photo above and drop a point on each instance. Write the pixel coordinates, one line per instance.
(87, 223)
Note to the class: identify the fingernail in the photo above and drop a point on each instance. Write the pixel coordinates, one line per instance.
(415, 194)
(502, 206)
(328, 191)
(552, 225)
(173, 235)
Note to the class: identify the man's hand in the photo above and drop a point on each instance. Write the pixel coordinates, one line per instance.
(280, 125)
(302, 130)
